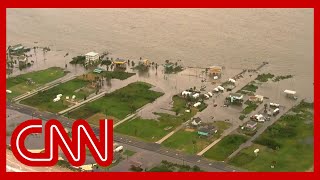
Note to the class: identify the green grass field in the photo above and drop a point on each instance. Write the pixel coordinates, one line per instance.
(225, 147)
(153, 130)
(191, 142)
(264, 77)
(249, 108)
(18, 85)
(44, 100)
(117, 74)
(287, 144)
(119, 103)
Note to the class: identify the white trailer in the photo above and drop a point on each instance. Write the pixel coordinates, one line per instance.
(197, 104)
(118, 149)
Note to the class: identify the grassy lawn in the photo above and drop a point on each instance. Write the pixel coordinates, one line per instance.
(153, 130)
(44, 100)
(249, 108)
(18, 85)
(279, 78)
(117, 74)
(95, 119)
(264, 77)
(287, 144)
(119, 103)
(191, 142)
(225, 147)
(250, 87)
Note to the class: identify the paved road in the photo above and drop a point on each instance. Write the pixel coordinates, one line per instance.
(261, 130)
(194, 159)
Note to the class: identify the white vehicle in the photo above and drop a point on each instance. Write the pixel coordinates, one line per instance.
(187, 93)
(8, 91)
(215, 77)
(259, 118)
(73, 97)
(210, 94)
(276, 111)
(196, 95)
(56, 99)
(118, 149)
(197, 104)
(207, 96)
(216, 89)
(274, 105)
(232, 80)
(220, 88)
(67, 97)
(59, 95)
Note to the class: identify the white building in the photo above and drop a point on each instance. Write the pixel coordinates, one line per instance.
(92, 57)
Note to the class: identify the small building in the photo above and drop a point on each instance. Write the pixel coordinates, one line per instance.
(215, 71)
(91, 57)
(120, 63)
(259, 117)
(146, 62)
(290, 93)
(17, 47)
(196, 121)
(236, 97)
(87, 167)
(207, 130)
(97, 70)
(251, 125)
(256, 98)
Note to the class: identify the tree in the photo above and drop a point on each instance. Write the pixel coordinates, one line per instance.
(132, 63)
(265, 108)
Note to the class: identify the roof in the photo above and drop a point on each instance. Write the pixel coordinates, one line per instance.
(252, 123)
(197, 119)
(92, 54)
(87, 167)
(16, 47)
(236, 95)
(206, 128)
(215, 69)
(97, 70)
(289, 92)
(119, 61)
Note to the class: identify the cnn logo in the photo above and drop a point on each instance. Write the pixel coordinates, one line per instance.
(55, 137)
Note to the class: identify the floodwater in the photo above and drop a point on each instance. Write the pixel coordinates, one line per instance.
(233, 38)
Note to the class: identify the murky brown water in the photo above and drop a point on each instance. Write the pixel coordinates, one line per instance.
(234, 38)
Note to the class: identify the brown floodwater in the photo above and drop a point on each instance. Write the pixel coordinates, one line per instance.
(233, 38)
